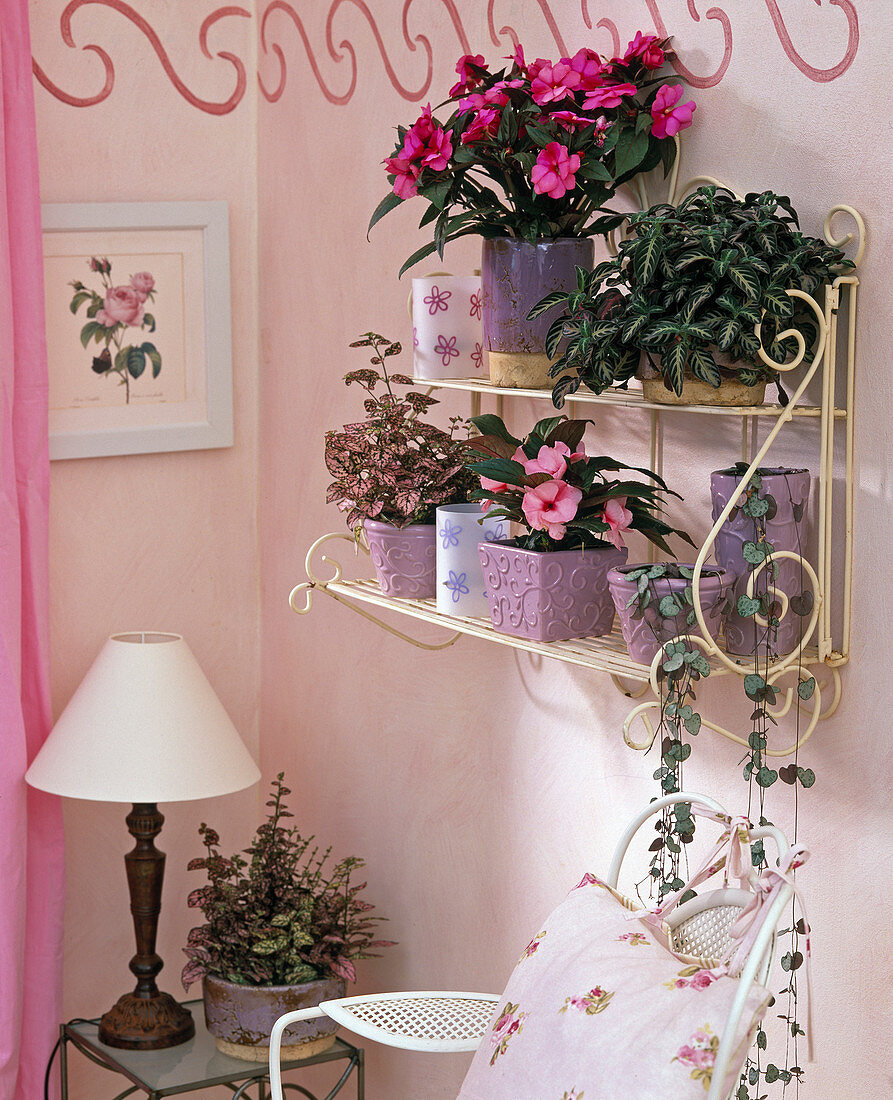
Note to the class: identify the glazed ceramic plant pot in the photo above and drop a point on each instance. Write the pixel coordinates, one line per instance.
(515, 276)
(241, 1017)
(785, 530)
(549, 596)
(404, 558)
(645, 635)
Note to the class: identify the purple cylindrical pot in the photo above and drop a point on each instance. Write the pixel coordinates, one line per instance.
(405, 558)
(241, 1017)
(645, 636)
(785, 530)
(549, 596)
(515, 275)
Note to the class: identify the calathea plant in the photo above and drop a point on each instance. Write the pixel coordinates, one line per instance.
(279, 917)
(687, 289)
(563, 498)
(394, 466)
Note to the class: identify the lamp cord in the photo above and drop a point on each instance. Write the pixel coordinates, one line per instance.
(54, 1052)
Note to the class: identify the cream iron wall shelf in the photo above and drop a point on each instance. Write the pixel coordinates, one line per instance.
(817, 649)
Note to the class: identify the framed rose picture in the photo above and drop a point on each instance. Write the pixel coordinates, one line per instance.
(137, 327)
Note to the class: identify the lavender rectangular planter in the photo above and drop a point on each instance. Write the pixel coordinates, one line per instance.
(549, 596)
(785, 530)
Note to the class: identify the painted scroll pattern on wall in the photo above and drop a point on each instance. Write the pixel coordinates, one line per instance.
(333, 56)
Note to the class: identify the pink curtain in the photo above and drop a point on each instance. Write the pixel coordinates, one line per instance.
(31, 847)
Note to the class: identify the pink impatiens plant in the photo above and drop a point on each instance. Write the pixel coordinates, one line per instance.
(555, 138)
(394, 466)
(562, 497)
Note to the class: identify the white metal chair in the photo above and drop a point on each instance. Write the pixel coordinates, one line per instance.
(451, 1021)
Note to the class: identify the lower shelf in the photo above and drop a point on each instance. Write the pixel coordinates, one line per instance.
(605, 654)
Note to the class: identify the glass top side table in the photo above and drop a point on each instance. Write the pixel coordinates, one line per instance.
(197, 1064)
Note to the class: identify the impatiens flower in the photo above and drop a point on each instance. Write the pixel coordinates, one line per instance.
(484, 124)
(669, 116)
(549, 461)
(548, 507)
(426, 145)
(468, 79)
(553, 461)
(553, 82)
(609, 96)
(493, 97)
(645, 47)
(553, 173)
(590, 68)
(618, 518)
(518, 58)
(571, 121)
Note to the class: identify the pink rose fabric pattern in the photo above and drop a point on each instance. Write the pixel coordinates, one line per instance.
(447, 333)
(597, 998)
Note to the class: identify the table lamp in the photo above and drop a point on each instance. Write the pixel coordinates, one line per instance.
(145, 726)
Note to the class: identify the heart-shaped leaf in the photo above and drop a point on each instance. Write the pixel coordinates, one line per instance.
(802, 604)
(766, 776)
(753, 685)
(669, 607)
(747, 606)
(806, 688)
(754, 552)
(806, 776)
(788, 774)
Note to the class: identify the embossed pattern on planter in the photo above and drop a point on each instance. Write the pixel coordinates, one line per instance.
(783, 531)
(405, 559)
(646, 635)
(549, 596)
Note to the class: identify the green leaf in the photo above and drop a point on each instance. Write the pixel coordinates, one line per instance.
(747, 606)
(490, 424)
(629, 154)
(647, 257)
(136, 361)
(693, 725)
(387, 203)
(806, 687)
(154, 358)
(753, 685)
(755, 552)
(547, 303)
(766, 776)
(771, 1071)
(703, 366)
(148, 322)
(78, 300)
(673, 366)
(669, 607)
(755, 507)
(746, 279)
(806, 776)
(89, 329)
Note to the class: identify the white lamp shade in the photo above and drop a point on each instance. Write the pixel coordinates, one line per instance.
(144, 726)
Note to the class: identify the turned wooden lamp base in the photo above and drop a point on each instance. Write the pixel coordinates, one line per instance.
(145, 1019)
(134, 1023)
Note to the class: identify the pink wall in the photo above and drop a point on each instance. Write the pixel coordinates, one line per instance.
(163, 541)
(478, 784)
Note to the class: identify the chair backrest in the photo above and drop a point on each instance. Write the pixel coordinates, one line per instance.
(701, 926)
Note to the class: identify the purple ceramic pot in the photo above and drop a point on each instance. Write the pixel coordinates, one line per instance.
(549, 596)
(645, 636)
(405, 558)
(785, 530)
(241, 1017)
(515, 275)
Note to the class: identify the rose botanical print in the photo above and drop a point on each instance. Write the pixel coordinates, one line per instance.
(700, 1053)
(110, 314)
(593, 1002)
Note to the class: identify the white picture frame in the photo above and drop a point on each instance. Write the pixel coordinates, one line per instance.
(191, 406)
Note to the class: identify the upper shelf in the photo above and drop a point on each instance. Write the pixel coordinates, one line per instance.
(631, 399)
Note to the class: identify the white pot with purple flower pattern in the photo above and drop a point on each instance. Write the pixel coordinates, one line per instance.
(460, 577)
(447, 338)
